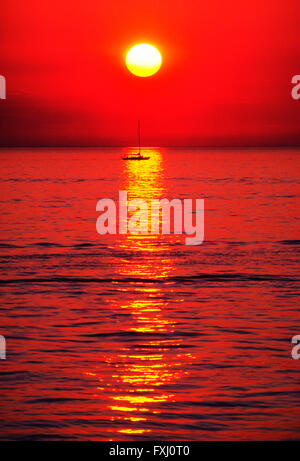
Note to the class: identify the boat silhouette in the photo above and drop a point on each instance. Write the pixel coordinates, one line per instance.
(138, 155)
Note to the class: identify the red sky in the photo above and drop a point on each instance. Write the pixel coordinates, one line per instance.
(225, 79)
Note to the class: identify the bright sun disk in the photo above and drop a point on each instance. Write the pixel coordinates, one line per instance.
(143, 60)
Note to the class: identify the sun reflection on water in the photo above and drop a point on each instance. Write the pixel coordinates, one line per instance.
(144, 369)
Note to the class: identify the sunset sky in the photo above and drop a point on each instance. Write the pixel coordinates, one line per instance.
(225, 78)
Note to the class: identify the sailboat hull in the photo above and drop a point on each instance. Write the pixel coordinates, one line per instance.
(137, 158)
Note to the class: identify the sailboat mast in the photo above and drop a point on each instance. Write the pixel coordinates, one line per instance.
(139, 137)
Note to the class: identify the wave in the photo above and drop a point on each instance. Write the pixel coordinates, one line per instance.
(176, 279)
(53, 244)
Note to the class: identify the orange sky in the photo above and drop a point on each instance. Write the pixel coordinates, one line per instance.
(225, 79)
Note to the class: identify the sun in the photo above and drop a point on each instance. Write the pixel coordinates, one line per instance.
(143, 60)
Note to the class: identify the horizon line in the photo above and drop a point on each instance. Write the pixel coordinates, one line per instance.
(260, 146)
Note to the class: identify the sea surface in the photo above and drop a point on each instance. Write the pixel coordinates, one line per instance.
(141, 337)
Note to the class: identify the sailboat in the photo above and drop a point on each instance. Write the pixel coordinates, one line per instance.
(138, 155)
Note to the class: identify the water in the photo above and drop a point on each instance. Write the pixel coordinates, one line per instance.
(139, 337)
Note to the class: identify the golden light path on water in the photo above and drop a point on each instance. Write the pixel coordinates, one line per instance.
(142, 373)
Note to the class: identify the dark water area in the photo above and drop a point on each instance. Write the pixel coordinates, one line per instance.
(141, 337)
